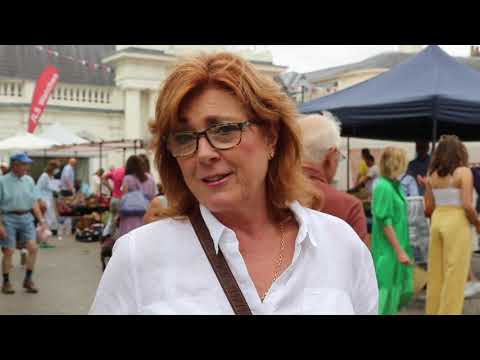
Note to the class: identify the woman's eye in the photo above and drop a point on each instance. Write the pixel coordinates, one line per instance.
(183, 138)
(225, 129)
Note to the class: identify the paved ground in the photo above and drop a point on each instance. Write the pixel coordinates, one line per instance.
(66, 276)
(471, 307)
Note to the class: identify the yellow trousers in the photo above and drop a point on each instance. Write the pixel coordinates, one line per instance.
(449, 257)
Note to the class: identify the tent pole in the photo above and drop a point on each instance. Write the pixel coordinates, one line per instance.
(100, 151)
(134, 147)
(348, 163)
(124, 159)
(100, 166)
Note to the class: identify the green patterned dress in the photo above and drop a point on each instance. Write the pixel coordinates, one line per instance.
(395, 280)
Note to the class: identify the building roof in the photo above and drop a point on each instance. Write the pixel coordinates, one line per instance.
(293, 81)
(140, 50)
(134, 49)
(27, 62)
(382, 61)
(385, 60)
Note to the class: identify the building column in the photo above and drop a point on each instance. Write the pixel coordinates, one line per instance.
(152, 103)
(133, 112)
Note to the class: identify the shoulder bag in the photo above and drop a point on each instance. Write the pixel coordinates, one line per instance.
(219, 265)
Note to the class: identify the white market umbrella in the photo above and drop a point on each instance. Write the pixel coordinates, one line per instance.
(26, 141)
(61, 135)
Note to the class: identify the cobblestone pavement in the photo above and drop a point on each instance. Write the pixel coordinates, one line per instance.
(67, 277)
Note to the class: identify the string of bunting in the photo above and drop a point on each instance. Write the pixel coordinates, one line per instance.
(90, 66)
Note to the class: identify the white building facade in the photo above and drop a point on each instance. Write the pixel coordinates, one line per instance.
(91, 103)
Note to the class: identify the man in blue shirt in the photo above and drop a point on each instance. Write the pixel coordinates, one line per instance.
(409, 185)
(18, 198)
(67, 180)
(418, 167)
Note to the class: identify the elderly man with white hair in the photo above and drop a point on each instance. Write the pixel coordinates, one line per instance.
(67, 180)
(321, 140)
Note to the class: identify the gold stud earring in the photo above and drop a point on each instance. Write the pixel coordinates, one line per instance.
(270, 156)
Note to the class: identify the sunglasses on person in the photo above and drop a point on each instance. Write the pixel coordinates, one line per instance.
(221, 137)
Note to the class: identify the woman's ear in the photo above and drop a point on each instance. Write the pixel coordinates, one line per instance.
(272, 136)
(330, 157)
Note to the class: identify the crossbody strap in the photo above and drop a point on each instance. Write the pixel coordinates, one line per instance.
(219, 265)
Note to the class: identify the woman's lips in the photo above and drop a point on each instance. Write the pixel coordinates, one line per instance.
(214, 182)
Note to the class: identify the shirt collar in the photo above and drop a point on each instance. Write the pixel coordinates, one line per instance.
(303, 217)
(215, 227)
(13, 176)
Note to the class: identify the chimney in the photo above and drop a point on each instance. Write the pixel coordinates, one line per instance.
(410, 48)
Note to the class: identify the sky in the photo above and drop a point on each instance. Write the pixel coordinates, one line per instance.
(306, 58)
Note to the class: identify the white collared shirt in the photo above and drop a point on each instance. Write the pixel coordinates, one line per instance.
(160, 268)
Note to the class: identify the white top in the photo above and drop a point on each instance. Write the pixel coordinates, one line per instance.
(160, 268)
(449, 196)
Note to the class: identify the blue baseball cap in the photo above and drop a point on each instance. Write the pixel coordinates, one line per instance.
(21, 157)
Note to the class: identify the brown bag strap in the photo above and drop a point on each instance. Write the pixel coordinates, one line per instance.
(219, 265)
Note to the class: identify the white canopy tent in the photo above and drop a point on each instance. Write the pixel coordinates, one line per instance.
(100, 147)
(61, 135)
(26, 141)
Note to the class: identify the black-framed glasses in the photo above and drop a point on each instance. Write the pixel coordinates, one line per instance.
(343, 157)
(221, 137)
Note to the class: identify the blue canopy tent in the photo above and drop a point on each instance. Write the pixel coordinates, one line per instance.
(426, 96)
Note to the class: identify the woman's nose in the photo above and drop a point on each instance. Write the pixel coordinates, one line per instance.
(205, 151)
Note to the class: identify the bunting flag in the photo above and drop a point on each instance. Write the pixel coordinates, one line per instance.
(45, 84)
(90, 66)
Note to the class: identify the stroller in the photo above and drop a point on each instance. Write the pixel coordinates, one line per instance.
(106, 245)
(89, 228)
(110, 234)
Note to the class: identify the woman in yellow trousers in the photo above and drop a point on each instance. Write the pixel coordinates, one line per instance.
(448, 198)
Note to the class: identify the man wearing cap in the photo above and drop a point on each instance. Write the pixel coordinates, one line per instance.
(18, 198)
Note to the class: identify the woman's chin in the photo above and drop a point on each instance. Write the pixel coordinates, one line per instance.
(220, 203)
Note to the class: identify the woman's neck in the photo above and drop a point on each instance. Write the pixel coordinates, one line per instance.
(249, 220)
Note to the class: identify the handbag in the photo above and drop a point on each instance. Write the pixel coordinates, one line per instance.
(134, 203)
(219, 265)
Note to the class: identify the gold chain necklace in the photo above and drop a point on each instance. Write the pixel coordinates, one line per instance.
(279, 262)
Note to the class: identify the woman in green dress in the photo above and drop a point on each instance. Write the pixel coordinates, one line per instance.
(391, 249)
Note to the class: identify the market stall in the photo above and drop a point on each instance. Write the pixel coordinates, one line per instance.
(429, 95)
(89, 213)
(423, 98)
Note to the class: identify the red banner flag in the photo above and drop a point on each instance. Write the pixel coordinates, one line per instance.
(45, 85)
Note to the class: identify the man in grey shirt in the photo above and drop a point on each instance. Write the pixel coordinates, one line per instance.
(67, 180)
